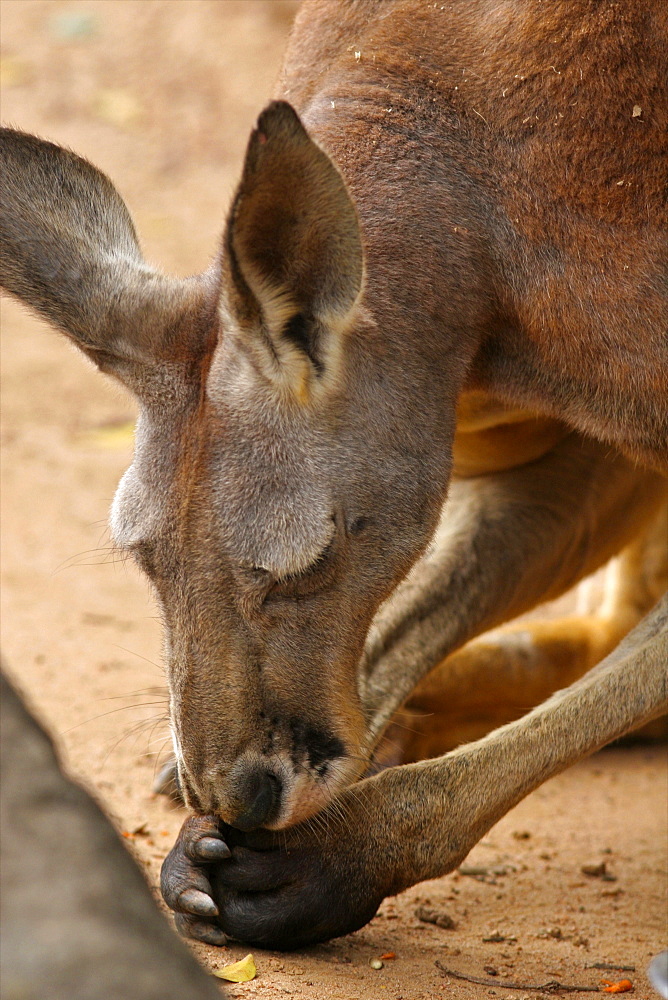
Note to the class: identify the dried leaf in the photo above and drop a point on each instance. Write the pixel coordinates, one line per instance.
(623, 986)
(238, 972)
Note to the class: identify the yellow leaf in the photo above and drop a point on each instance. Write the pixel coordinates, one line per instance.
(239, 972)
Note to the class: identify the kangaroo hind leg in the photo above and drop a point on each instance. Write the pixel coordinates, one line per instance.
(503, 674)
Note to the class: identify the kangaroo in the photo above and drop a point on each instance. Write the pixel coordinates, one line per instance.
(422, 388)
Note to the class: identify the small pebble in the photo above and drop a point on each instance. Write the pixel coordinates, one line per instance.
(437, 917)
(375, 963)
(598, 871)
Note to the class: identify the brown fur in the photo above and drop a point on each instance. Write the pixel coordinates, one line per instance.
(452, 259)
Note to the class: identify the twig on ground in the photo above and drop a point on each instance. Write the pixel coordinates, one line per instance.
(611, 967)
(552, 987)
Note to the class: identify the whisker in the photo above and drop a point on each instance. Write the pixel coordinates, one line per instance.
(159, 761)
(139, 656)
(148, 692)
(109, 554)
(111, 711)
(134, 731)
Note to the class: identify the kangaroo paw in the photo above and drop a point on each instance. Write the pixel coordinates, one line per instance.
(185, 883)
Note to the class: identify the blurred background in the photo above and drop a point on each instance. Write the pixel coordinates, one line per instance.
(160, 94)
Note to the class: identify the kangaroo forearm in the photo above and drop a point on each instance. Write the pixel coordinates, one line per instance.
(477, 784)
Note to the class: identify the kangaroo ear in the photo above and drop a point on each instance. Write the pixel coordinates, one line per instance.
(294, 252)
(69, 251)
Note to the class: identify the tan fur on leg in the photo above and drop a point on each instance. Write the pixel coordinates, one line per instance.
(500, 676)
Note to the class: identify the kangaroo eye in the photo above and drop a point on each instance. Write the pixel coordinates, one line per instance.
(317, 576)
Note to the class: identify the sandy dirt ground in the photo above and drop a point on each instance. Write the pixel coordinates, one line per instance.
(161, 95)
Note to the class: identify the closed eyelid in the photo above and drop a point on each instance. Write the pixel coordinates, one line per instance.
(313, 580)
(260, 585)
(313, 566)
(284, 563)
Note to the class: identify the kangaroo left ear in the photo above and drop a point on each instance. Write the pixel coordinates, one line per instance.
(294, 252)
(69, 251)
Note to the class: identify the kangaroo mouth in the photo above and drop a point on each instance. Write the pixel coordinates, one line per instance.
(308, 792)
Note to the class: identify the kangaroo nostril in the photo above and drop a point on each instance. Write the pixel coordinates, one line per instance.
(263, 794)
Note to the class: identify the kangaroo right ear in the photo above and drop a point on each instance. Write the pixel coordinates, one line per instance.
(294, 254)
(68, 249)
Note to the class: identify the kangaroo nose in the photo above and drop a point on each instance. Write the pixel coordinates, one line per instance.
(262, 795)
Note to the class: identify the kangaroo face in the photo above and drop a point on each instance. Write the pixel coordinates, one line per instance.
(279, 491)
(270, 550)
(269, 522)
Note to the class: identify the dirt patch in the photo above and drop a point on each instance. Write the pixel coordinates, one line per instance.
(162, 97)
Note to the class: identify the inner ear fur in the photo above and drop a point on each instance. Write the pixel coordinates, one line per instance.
(70, 252)
(294, 249)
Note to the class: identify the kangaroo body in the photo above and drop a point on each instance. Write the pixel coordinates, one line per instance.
(423, 388)
(498, 137)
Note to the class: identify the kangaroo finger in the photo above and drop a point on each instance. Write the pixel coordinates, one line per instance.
(184, 885)
(207, 849)
(199, 930)
(197, 902)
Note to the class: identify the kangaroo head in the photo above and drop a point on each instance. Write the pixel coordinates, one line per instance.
(273, 500)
